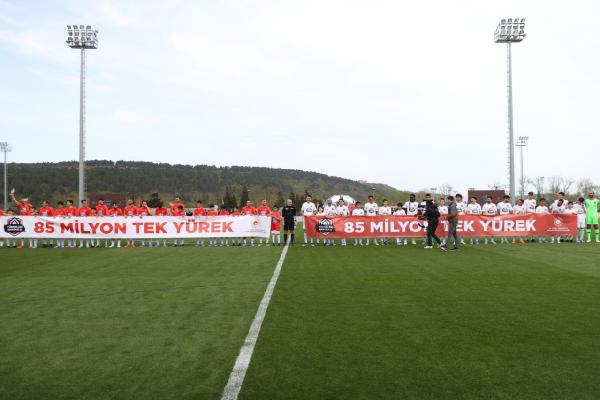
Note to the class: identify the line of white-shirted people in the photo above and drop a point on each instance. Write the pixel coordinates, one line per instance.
(412, 207)
(370, 208)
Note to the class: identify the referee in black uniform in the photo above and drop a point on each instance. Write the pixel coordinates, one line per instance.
(289, 221)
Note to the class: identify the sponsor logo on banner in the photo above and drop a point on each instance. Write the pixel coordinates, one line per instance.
(325, 226)
(14, 226)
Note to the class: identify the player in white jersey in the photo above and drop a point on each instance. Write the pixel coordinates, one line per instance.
(542, 209)
(341, 211)
(560, 197)
(505, 208)
(489, 209)
(519, 209)
(412, 209)
(360, 212)
(443, 210)
(371, 210)
(461, 208)
(308, 210)
(558, 207)
(474, 208)
(385, 210)
(580, 210)
(399, 211)
(530, 203)
(570, 210)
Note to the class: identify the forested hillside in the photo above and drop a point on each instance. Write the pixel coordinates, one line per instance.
(58, 181)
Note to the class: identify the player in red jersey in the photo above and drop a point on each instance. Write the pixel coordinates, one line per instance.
(130, 210)
(70, 211)
(59, 212)
(223, 213)
(175, 205)
(115, 211)
(199, 211)
(265, 210)
(212, 212)
(161, 212)
(101, 211)
(179, 212)
(46, 211)
(236, 213)
(275, 227)
(144, 211)
(248, 209)
(23, 205)
(84, 211)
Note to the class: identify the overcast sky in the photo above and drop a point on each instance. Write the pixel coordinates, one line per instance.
(408, 93)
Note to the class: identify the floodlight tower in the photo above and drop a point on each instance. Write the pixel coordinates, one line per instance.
(522, 142)
(82, 37)
(510, 31)
(5, 148)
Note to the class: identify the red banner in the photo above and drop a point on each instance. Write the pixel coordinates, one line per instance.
(468, 225)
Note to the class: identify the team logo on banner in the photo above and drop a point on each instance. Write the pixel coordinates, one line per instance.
(325, 226)
(14, 226)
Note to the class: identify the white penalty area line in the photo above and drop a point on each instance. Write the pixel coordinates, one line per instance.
(238, 373)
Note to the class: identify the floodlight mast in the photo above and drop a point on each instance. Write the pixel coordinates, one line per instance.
(522, 142)
(5, 148)
(510, 31)
(82, 37)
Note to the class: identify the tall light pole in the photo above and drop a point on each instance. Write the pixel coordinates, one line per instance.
(522, 142)
(510, 31)
(82, 37)
(5, 147)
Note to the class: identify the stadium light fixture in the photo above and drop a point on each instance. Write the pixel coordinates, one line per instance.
(82, 37)
(510, 30)
(522, 142)
(5, 148)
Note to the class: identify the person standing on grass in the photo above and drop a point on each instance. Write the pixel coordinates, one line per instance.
(289, 221)
(452, 217)
(432, 215)
(263, 210)
(542, 209)
(308, 209)
(412, 209)
(161, 211)
(275, 227)
(489, 209)
(591, 216)
(358, 212)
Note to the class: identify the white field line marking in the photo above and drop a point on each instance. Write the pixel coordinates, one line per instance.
(238, 373)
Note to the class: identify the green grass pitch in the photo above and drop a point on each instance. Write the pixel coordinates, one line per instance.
(489, 322)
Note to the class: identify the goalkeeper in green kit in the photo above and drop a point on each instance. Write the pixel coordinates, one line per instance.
(591, 216)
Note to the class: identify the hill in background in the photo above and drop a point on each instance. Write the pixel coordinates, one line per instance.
(58, 181)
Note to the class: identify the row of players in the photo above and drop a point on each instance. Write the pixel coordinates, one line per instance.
(530, 205)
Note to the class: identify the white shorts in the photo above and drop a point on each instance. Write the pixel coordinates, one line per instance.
(580, 221)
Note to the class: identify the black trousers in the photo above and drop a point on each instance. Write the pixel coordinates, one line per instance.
(431, 227)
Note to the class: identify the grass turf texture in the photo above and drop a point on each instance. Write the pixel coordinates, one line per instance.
(500, 322)
(161, 323)
(491, 322)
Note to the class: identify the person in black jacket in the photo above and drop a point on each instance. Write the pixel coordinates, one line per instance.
(432, 215)
(288, 213)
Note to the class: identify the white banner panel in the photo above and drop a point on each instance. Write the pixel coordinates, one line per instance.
(146, 227)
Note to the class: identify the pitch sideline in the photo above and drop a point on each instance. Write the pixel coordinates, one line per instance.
(238, 373)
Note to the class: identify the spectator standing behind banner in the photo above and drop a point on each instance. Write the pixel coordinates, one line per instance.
(452, 223)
